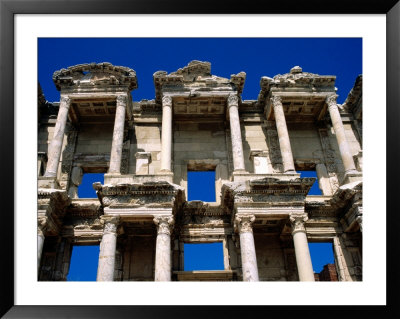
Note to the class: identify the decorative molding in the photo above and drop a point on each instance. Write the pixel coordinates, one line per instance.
(124, 169)
(68, 155)
(94, 74)
(329, 158)
(273, 147)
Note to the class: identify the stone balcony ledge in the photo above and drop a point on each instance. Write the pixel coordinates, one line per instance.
(205, 275)
(245, 176)
(114, 179)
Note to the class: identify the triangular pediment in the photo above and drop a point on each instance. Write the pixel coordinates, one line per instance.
(196, 76)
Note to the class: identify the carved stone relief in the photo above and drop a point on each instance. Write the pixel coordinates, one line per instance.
(273, 147)
(330, 159)
(68, 157)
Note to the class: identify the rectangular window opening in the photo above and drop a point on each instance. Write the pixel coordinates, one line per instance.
(323, 261)
(315, 190)
(84, 262)
(203, 256)
(201, 185)
(85, 189)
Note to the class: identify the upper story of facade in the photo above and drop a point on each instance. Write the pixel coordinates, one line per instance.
(197, 122)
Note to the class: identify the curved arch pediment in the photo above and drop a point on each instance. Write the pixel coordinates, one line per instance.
(92, 74)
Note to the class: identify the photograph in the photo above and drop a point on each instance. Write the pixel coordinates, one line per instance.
(215, 163)
(223, 164)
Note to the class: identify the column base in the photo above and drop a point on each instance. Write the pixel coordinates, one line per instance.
(352, 176)
(48, 182)
(239, 175)
(165, 171)
(240, 171)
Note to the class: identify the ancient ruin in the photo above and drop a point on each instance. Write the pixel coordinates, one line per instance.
(263, 214)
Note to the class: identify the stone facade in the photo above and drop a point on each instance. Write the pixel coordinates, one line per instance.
(141, 219)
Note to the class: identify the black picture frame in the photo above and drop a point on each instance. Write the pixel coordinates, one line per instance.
(8, 10)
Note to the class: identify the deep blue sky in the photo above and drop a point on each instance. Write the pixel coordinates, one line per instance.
(256, 56)
(201, 186)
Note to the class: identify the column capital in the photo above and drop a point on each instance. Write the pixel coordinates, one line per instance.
(331, 100)
(167, 100)
(121, 99)
(297, 221)
(243, 223)
(232, 100)
(164, 224)
(110, 223)
(276, 100)
(65, 101)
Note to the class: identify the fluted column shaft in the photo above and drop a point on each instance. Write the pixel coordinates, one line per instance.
(108, 246)
(118, 136)
(55, 147)
(337, 123)
(283, 135)
(247, 248)
(163, 248)
(236, 134)
(303, 258)
(166, 134)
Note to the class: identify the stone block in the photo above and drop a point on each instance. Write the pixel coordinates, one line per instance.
(142, 163)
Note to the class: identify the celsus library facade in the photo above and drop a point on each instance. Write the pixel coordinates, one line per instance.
(263, 214)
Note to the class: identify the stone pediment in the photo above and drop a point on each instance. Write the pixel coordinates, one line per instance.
(294, 80)
(196, 76)
(95, 74)
(195, 69)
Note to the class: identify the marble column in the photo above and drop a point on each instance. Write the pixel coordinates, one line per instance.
(337, 123)
(303, 258)
(236, 134)
(323, 179)
(54, 152)
(40, 242)
(118, 136)
(75, 181)
(166, 134)
(163, 248)
(247, 248)
(108, 246)
(283, 135)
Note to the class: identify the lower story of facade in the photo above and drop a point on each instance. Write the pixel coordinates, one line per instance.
(264, 228)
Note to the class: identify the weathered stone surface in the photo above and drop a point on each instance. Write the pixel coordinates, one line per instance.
(263, 213)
